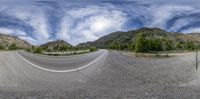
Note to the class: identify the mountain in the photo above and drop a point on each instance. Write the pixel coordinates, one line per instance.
(57, 45)
(8, 41)
(130, 37)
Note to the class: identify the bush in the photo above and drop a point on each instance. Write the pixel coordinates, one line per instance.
(190, 46)
(114, 45)
(180, 45)
(141, 43)
(2, 47)
(28, 50)
(154, 44)
(144, 43)
(12, 47)
(92, 49)
(186, 46)
(123, 46)
(38, 50)
(131, 46)
(167, 45)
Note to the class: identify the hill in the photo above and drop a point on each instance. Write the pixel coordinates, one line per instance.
(58, 45)
(12, 42)
(130, 36)
(118, 37)
(127, 40)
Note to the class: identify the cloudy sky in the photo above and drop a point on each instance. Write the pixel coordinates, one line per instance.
(79, 21)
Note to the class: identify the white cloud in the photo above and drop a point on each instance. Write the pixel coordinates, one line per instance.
(93, 23)
(12, 31)
(192, 30)
(88, 22)
(33, 16)
(63, 32)
(162, 13)
(29, 39)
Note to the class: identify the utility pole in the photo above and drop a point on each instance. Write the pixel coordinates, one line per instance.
(197, 59)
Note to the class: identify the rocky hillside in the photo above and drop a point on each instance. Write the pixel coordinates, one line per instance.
(57, 45)
(130, 36)
(7, 41)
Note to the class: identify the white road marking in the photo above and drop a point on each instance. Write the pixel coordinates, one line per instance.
(62, 71)
(64, 58)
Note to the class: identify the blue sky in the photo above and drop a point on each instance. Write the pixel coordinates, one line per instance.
(79, 21)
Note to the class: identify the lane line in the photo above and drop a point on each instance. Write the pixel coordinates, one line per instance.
(62, 71)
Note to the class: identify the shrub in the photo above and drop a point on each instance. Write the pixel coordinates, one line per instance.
(123, 46)
(190, 46)
(28, 50)
(92, 49)
(186, 46)
(167, 45)
(154, 44)
(114, 45)
(144, 43)
(2, 47)
(141, 43)
(38, 50)
(180, 45)
(131, 46)
(12, 47)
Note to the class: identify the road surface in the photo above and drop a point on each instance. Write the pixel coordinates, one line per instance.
(61, 63)
(99, 75)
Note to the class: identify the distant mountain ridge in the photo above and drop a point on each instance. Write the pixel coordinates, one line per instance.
(8, 40)
(130, 36)
(119, 37)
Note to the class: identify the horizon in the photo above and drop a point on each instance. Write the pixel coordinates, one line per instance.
(78, 22)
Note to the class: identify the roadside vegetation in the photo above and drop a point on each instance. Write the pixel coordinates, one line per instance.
(155, 44)
(145, 40)
(10, 47)
(58, 51)
(59, 48)
(146, 44)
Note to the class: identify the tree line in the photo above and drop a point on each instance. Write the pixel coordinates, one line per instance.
(9, 47)
(144, 43)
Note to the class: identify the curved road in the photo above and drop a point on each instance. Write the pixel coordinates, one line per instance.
(99, 75)
(61, 63)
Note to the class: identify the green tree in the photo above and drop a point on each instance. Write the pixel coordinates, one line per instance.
(149, 43)
(190, 46)
(179, 45)
(141, 43)
(64, 48)
(131, 46)
(114, 45)
(154, 44)
(123, 46)
(167, 45)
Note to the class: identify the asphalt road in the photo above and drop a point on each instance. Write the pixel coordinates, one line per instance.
(61, 63)
(98, 75)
